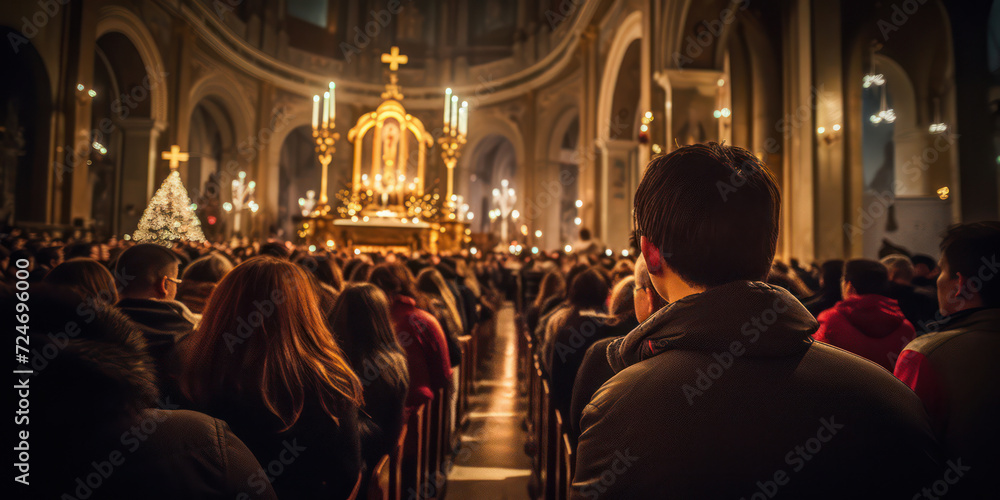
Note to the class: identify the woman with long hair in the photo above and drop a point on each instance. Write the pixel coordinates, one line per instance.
(443, 306)
(87, 277)
(264, 361)
(361, 322)
(418, 332)
(551, 292)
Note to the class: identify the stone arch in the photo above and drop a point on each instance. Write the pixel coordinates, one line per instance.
(295, 114)
(222, 89)
(560, 159)
(482, 128)
(619, 158)
(118, 19)
(628, 32)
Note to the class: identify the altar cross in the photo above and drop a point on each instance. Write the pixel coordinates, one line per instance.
(394, 59)
(175, 156)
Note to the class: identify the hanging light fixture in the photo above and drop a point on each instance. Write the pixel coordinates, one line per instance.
(937, 126)
(885, 113)
(873, 77)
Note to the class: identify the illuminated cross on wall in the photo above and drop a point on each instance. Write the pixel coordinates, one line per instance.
(394, 59)
(175, 156)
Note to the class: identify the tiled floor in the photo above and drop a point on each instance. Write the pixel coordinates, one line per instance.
(491, 463)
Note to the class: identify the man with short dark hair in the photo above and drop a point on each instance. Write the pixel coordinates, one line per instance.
(954, 368)
(722, 394)
(147, 276)
(866, 322)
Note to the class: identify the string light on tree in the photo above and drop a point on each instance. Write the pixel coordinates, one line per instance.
(169, 216)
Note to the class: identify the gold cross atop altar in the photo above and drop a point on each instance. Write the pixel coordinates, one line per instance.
(394, 59)
(175, 156)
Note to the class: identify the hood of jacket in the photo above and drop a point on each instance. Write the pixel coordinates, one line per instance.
(94, 373)
(873, 315)
(767, 320)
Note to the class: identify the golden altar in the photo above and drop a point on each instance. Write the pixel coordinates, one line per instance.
(387, 205)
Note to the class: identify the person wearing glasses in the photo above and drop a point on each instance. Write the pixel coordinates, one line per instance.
(147, 281)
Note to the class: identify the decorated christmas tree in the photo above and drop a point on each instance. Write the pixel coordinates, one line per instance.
(169, 217)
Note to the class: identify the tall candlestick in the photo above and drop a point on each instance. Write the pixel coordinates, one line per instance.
(315, 111)
(326, 109)
(447, 107)
(463, 118)
(333, 103)
(454, 114)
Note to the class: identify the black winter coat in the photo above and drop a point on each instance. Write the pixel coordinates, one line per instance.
(723, 394)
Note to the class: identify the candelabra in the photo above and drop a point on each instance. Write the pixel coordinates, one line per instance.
(504, 199)
(242, 194)
(456, 128)
(325, 138)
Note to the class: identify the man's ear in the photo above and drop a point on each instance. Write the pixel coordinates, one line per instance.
(964, 289)
(161, 289)
(654, 261)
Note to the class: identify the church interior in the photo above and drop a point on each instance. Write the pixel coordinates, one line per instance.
(491, 132)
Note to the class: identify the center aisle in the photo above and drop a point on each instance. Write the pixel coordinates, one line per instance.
(490, 463)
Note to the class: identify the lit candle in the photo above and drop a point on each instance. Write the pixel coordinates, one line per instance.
(315, 111)
(333, 103)
(463, 119)
(447, 107)
(454, 114)
(326, 109)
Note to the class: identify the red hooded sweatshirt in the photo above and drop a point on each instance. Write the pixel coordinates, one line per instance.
(871, 326)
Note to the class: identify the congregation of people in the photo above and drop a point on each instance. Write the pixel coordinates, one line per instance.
(700, 368)
(266, 371)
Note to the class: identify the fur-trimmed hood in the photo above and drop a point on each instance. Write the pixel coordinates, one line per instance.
(90, 361)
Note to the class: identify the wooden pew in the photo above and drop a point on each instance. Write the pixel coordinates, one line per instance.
(465, 371)
(357, 488)
(396, 467)
(544, 445)
(553, 444)
(569, 465)
(413, 452)
(378, 485)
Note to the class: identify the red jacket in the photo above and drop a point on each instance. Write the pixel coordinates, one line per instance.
(871, 326)
(426, 350)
